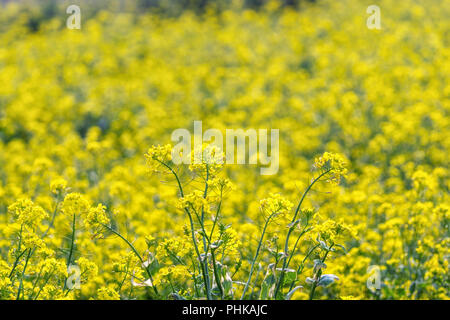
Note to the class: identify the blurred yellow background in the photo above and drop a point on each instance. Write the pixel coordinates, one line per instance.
(79, 108)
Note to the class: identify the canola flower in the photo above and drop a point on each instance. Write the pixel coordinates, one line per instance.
(364, 140)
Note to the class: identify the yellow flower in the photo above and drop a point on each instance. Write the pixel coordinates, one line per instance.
(158, 155)
(275, 204)
(174, 248)
(177, 275)
(207, 161)
(221, 185)
(26, 212)
(332, 165)
(58, 186)
(88, 269)
(332, 231)
(96, 219)
(53, 267)
(75, 204)
(106, 293)
(194, 201)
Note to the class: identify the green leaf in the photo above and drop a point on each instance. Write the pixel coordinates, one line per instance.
(290, 293)
(216, 244)
(327, 279)
(323, 245)
(289, 275)
(342, 247)
(176, 296)
(267, 287)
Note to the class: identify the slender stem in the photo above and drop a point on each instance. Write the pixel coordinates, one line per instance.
(13, 280)
(124, 278)
(302, 265)
(175, 174)
(216, 274)
(306, 192)
(202, 262)
(214, 225)
(175, 257)
(208, 294)
(317, 277)
(45, 283)
(20, 238)
(53, 219)
(219, 284)
(256, 256)
(205, 243)
(23, 274)
(16, 263)
(69, 259)
(194, 278)
(286, 244)
(135, 252)
(295, 246)
(207, 239)
(256, 281)
(216, 218)
(37, 280)
(205, 193)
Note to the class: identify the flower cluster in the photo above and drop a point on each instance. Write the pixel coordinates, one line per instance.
(27, 213)
(195, 201)
(207, 160)
(332, 166)
(75, 122)
(96, 218)
(275, 205)
(58, 186)
(332, 231)
(158, 155)
(75, 204)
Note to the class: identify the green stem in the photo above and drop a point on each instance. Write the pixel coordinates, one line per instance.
(203, 264)
(45, 283)
(136, 253)
(286, 244)
(18, 249)
(205, 243)
(176, 176)
(302, 265)
(194, 278)
(317, 277)
(37, 280)
(69, 259)
(295, 246)
(207, 291)
(124, 278)
(53, 220)
(214, 225)
(16, 263)
(216, 274)
(256, 281)
(216, 218)
(23, 274)
(256, 256)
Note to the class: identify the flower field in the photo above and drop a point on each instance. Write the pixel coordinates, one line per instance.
(92, 205)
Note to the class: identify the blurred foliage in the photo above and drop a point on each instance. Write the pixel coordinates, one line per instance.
(80, 108)
(36, 12)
